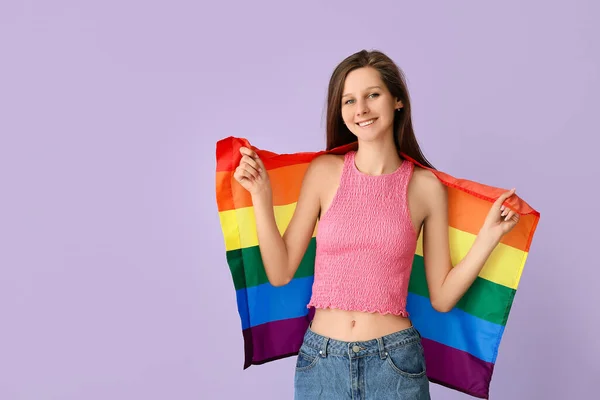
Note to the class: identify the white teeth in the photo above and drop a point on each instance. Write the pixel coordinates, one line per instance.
(369, 122)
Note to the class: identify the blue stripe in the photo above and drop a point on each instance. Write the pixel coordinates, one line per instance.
(242, 305)
(456, 328)
(266, 303)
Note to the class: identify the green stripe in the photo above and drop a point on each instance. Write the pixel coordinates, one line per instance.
(484, 299)
(255, 272)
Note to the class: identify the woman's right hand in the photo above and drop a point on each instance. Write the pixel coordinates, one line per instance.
(252, 174)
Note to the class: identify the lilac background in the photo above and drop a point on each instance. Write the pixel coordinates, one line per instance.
(113, 278)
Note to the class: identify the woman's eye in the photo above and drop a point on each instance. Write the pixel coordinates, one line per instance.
(372, 95)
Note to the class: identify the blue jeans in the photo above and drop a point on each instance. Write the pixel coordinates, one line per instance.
(390, 367)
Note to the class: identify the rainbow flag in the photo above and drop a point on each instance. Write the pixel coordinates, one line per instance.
(461, 346)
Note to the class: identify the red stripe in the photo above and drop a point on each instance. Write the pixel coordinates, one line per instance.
(228, 155)
(228, 158)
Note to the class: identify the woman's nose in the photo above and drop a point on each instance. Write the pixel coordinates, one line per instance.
(362, 108)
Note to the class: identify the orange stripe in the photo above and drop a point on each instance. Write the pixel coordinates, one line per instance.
(224, 198)
(286, 183)
(485, 192)
(467, 213)
(228, 157)
(469, 202)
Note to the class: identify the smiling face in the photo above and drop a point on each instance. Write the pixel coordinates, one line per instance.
(367, 105)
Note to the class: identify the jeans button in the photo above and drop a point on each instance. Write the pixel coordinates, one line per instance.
(355, 348)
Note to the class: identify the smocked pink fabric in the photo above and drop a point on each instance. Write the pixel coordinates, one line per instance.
(366, 243)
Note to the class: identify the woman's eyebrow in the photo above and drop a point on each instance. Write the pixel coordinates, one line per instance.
(370, 87)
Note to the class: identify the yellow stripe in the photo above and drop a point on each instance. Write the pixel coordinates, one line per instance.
(244, 218)
(503, 267)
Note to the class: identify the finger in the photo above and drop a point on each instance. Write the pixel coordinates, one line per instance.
(250, 165)
(252, 154)
(252, 162)
(509, 216)
(247, 171)
(504, 196)
(251, 170)
(505, 210)
(241, 174)
(258, 160)
(238, 176)
(248, 152)
(514, 217)
(260, 163)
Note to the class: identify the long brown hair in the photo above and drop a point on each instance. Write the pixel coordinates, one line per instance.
(392, 76)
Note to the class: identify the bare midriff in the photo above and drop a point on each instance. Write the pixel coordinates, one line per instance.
(354, 326)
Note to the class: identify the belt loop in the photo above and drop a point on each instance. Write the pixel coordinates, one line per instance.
(382, 352)
(323, 351)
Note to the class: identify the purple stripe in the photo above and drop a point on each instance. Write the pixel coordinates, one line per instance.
(446, 366)
(457, 369)
(274, 340)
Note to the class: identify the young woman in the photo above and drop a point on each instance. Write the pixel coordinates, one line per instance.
(371, 205)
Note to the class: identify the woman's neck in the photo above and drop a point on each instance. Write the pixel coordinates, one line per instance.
(377, 157)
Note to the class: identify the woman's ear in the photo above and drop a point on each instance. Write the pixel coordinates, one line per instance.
(399, 105)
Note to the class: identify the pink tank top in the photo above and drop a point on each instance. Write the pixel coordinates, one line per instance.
(366, 243)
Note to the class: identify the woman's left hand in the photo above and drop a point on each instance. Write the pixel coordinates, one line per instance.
(501, 219)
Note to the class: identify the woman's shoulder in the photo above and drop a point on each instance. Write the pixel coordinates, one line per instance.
(427, 183)
(325, 169)
(327, 164)
(328, 160)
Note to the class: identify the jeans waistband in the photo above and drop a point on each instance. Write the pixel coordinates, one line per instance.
(327, 346)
